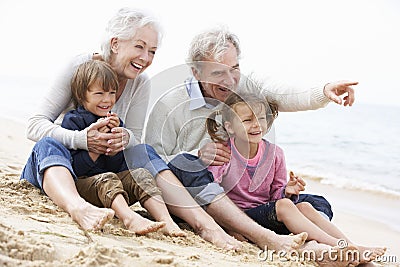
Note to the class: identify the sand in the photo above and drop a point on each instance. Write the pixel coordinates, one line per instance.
(35, 232)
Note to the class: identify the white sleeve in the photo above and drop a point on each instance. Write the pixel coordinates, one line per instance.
(137, 110)
(290, 98)
(57, 100)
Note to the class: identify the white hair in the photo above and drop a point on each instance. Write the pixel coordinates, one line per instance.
(212, 44)
(124, 25)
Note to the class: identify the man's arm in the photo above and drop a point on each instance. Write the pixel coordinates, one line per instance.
(291, 99)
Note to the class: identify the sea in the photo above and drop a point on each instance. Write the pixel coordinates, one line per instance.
(352, 147)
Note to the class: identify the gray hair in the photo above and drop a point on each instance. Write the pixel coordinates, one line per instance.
(124, 25)
(212, 44)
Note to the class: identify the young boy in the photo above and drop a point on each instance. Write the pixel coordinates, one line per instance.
(104, 180)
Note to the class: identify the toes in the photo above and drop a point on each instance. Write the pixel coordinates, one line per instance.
(178, 233)
(302, 238)
(233, 245)
(299, 240)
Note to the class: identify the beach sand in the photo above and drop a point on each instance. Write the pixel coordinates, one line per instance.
(34, 232)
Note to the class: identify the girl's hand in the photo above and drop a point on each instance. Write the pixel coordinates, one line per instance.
(294, 186)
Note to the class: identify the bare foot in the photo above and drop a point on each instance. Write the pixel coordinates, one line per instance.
(282, 242)
(220, 238)
(172, 229)
(90, 217)
(368, 254)
(238, 236)
(325, 255)
(152, 227)
(140, 225)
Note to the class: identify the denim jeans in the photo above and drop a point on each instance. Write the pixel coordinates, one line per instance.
(199, 182)
(187, 168)
(265, 215)
(144, 156)
(46, 153)
(319, 203)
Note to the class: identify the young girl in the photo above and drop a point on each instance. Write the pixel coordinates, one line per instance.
(104, 180)
(255, 179)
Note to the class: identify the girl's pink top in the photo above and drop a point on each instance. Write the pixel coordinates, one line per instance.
(252, 182)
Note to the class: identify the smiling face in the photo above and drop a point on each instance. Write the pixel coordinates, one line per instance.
(248, 126)
(133, 56)
(219, 78)
(98, 101)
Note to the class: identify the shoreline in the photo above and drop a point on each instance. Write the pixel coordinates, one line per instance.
(46, 234)
(362, 200)
(358, 215)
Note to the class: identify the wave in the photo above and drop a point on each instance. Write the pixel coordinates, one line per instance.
(345, 183)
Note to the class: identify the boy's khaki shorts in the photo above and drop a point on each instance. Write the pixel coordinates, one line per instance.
(101, 189)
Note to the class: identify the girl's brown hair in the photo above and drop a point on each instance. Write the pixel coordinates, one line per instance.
(88, 73)
(249, 95)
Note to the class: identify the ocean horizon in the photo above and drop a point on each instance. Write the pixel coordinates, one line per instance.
(352, 147)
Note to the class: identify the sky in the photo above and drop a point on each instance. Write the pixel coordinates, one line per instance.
(307, 43)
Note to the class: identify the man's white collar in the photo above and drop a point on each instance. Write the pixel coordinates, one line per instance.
(196, 97)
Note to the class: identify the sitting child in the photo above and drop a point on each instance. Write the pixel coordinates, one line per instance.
(255, 178)
(104, 180)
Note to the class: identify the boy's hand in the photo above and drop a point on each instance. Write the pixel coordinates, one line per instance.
(114, 120)
(294, 186)
(104, 129)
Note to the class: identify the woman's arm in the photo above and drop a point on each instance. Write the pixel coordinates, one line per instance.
(57, 100)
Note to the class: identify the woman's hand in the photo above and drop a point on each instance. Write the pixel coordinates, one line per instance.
(108, 143)
(118, 141)
(96, 139)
